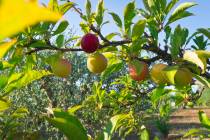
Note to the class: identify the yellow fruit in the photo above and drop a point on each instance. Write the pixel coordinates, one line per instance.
(183, 77)
(61, 68)
(97, 63)
(157, 74)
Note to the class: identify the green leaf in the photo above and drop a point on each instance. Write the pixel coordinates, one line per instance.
(18, 80)
(204, 120)
(62, 27)
(111, 35)
(143, 13)
(146, 5)
(88, 9)
(180, 16)
(53, 5)
(170, 5)
(178, 39)
(179, 98)
(153, 28)
(156, 8)
(202, 80)
(151, 3)
(111, 69)
(117, 19)
(60, 41)
(163, 4)
(156, 138)
(190, 37)
(84, 27)
(156, 95)
(3, 81)
(203, 53)
(170, 73)
(193, 132)
(144, 135)
(69, 125)
(65, 7)
(167, 31)
(114, 123)
(75, 38)
(100, 12)
(206, 32)
(129, 14)
(200, 42)
(4, 104)
(5, 47)
(73, 109)
(136, 46)
(205, 97)
(138, 30)
(183, 7)
(38, 44)
(180, 12)
(20, 113)
(193, 57)
(41, 27)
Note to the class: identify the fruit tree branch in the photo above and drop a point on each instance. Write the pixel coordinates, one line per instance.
(161, 54)
(53, 48)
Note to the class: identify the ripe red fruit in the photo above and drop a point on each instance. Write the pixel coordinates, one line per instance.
(90, 43)
(61, 68)
(138, 70)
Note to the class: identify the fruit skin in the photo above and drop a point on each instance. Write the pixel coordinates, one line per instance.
(138, 70)
(157, 74)
(61, 68)
(183, 77)
(97, 63)
(89, 43)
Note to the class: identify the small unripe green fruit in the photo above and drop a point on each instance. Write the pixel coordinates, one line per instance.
(61, 68)
(97, 63)
(183, 77)
(157, 74)
(138, 70)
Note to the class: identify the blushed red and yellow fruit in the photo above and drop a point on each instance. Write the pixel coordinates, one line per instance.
(97, 63)
(89, 43)
(157, 74)
(138, 70)
(61, 68)
(183, 77)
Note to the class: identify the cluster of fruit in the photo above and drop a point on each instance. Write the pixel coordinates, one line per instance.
(138, 70)
(96, 62)
(161, 74)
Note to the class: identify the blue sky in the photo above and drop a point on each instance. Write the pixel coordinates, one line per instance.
(201, 11)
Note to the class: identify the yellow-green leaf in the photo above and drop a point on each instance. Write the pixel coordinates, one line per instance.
(4, 104)
(73, 109)
(19, 14)
(67, 123)
(170, 73)
(5, 47)
(202, 53)
(18, 80)
(195, 58)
